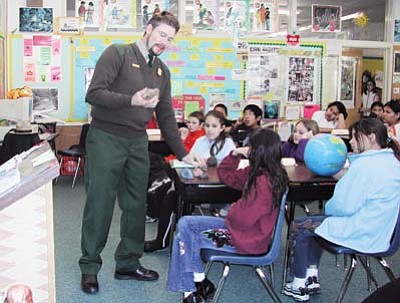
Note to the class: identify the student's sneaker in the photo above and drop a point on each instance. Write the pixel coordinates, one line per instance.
(148, 220)
(299, 294)
(313, 285)
(158, 183)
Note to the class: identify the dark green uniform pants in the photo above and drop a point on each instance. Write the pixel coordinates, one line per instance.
(116, 167)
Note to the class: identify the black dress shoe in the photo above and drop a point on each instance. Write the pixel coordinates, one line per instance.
(205, 288)
(141, 274)
(89, 284)
(194, 297)
(150, 246)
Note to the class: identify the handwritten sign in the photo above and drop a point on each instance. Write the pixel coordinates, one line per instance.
(326, 18)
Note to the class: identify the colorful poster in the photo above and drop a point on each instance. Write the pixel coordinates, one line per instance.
(326, 18)
(35, 19)
(42, 59)
(235, 18)
(120, 14)
(264, 16)
(347, 86)
(206, 14)
(301, 79)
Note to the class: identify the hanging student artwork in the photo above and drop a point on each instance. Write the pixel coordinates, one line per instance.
(326, 18)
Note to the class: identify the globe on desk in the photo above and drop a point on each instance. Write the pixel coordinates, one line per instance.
(325, 154)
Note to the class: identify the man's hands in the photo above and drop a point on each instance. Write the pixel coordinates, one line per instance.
(195, 160)
(147, 97)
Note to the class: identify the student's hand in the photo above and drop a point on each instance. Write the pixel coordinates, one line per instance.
(184, 132)
(341, 123)
(195, 160)
(146, 97)
(244, 151)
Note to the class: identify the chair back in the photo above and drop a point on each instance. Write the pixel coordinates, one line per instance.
(84, 132)
(273, 251)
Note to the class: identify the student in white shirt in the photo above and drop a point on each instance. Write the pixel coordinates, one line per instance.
(332, 118)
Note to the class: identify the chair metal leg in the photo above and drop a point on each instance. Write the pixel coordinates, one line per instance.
(370, 275)
(208, 267)
(345, 267)
(386, 267)
(289, 218)
(76, 171)
(345, 285)
(221, 283)
(61, 162)
(272, 274)
(267, 284)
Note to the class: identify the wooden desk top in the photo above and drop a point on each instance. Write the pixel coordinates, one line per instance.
(301, 174)
(297, 174)
(212, 178)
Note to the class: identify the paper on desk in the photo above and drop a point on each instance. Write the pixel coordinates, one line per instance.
(180, 164)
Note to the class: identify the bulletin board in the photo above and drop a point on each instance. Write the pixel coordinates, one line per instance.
(214, 68)
(199, 66)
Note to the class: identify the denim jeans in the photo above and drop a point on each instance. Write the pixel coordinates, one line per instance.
(304, 249)
(185, 257)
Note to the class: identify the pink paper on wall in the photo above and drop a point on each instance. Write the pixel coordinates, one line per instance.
(309, 110)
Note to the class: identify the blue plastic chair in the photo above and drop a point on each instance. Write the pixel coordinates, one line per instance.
(364, 259)
(258, 262)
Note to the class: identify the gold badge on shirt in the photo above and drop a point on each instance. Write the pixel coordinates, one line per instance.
(159, 72)
(135, 65)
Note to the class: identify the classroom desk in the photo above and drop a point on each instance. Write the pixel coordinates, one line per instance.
(198, 191)
(305, 187)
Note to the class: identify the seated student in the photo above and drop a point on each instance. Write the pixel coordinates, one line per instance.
(332, 118)
(391, 117)
(244, 126)
(250, 222)
(224, 110)
(376, 110)
(304, 130)
(192, 132)
(362, 212)
(159, 180)
(214, 146)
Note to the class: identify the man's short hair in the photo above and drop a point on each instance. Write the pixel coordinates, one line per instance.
(165, 18)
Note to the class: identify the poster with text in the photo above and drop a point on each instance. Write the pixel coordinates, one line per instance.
(42, 58)
(326, 18)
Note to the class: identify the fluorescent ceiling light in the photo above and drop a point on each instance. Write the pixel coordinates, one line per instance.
(351, 16)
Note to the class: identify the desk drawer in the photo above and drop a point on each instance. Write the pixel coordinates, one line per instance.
(301, 193)
(198, 195)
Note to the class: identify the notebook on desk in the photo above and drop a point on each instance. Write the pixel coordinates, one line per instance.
(180, 164)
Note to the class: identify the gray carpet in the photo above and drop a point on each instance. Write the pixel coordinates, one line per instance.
(242, 284)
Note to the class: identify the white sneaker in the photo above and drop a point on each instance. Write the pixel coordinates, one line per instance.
(299, 294)
(313, 285)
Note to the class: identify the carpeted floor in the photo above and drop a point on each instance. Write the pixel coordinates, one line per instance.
(242, 284)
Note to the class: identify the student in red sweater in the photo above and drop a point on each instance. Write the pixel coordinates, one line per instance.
(189, 135)
(250, 223)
